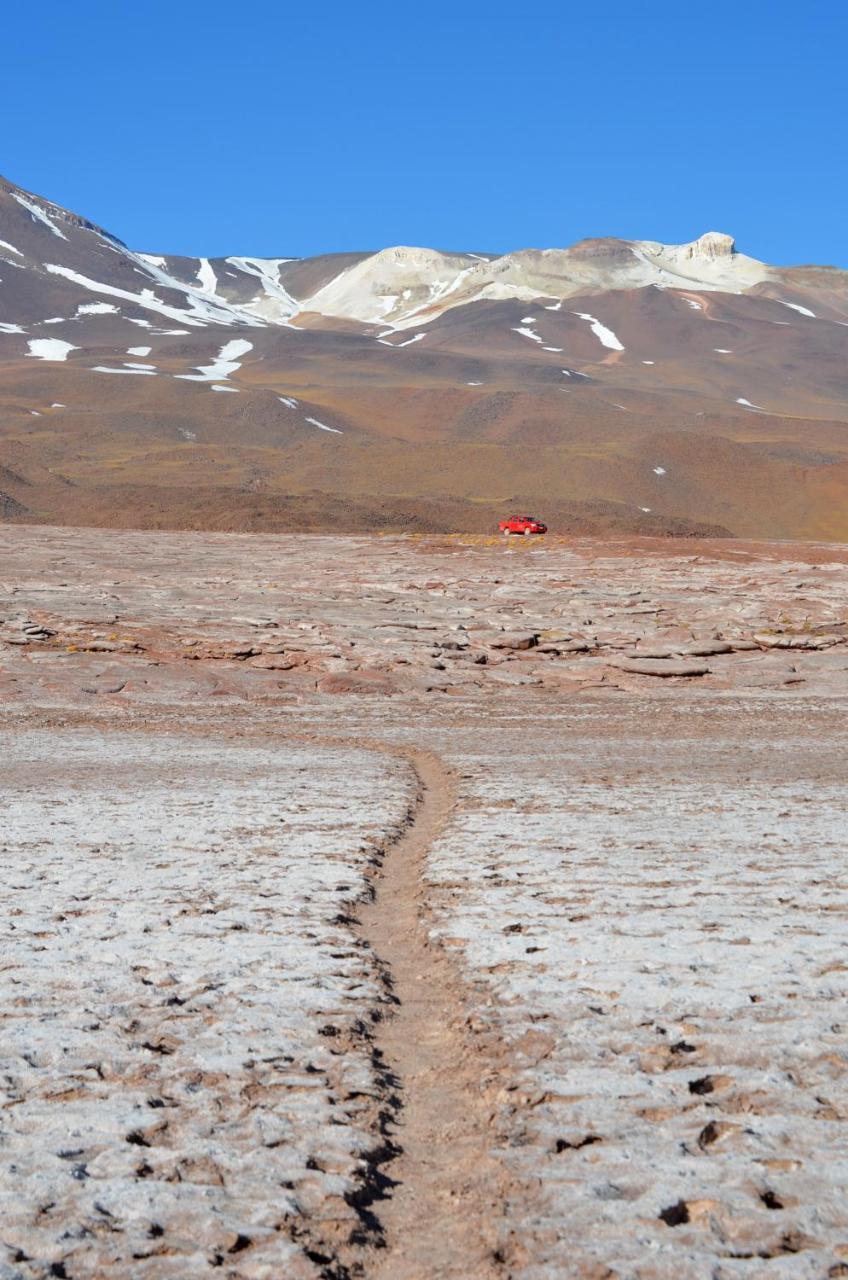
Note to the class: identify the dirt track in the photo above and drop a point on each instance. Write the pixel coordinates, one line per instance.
(446, 1193)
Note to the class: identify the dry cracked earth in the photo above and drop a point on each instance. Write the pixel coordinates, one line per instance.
(401, 908)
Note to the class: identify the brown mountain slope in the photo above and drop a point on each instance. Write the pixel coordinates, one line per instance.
(624, 385)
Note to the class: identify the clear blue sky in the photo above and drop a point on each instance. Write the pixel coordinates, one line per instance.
(274, 128)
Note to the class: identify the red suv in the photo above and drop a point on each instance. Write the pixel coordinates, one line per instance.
(522, 524)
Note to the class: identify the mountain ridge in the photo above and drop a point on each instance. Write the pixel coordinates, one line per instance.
(416, 375)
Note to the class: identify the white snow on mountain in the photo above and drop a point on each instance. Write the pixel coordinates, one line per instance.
(50, 348)
(225, 363)
(38, 214)
(604, 335)
(147, 299)
(805, 311)
(273, 303)
(323, 427)
(398, 288)
(206, 278)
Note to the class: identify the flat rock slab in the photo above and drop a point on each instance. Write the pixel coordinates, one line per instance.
(706, 649)
(662, 667)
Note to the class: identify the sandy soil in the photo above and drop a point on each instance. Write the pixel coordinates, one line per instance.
(422, 908)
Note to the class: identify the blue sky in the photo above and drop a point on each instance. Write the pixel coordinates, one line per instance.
(273, 128)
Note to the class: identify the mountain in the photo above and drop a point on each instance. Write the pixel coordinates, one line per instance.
(613, 385)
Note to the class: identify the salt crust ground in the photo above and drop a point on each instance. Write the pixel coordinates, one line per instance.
(178, 1086)
(658, 928)
(643, 880)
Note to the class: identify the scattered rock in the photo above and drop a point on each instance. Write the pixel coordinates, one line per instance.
(510, 639)
(103, 686)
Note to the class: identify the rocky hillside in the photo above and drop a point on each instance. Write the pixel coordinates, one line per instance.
(624, 385)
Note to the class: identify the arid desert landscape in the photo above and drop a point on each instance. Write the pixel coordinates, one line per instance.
(422, 906)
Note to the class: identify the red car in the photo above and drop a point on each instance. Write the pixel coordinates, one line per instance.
(522, 524)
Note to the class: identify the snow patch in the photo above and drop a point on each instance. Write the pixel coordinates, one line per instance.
(323, 427)
(222, 387)
(105, 368)
(50, 348)
(805, 311)
(275, 303)
(38, 214)
(206, 278)
(528, 333)
(648, 362)
(746, 404)
(225, 363)
(96, 308)
(11, 328)
(659, 471)
(604, 335)
(289, 401)
(138, 351)
(4, 244)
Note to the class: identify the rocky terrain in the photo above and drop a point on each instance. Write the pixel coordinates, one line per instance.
(622, 386)
(422, 906)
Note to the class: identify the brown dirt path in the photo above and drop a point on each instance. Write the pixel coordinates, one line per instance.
(443, 1218)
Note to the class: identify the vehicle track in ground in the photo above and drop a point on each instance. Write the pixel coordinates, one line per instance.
(445, 1193)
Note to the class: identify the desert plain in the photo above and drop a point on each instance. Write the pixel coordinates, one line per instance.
(408, 907)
